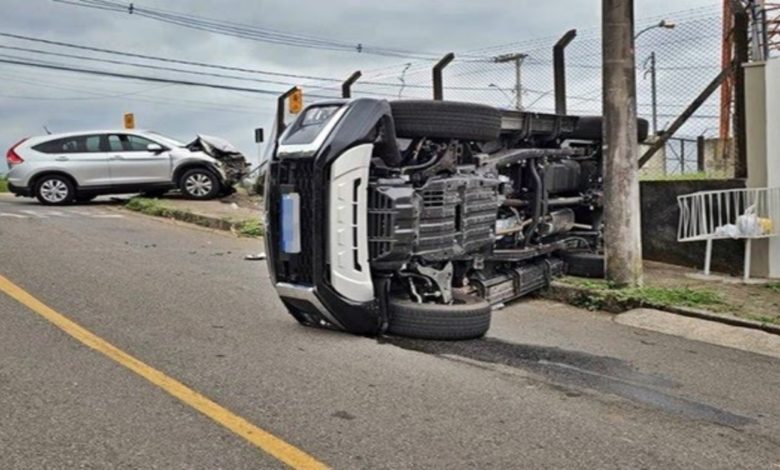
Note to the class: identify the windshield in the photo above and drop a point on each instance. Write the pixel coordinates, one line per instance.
(306, 129)
(171, 142)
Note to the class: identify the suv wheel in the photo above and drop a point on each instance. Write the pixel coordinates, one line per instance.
(467, 318)
(199, 183)
(54, 190)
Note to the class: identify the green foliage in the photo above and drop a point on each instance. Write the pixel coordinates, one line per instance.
(683, 177)
(250, 228)
(149, 207)
(3, 184)
(600, 295)
(774, 287)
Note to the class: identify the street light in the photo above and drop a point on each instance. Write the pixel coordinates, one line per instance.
(663, 24)
(518, 61)
(651, 62)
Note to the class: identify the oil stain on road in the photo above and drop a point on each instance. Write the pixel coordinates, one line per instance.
(578, 370)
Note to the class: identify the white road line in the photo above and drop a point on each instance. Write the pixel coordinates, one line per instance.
(8, 214)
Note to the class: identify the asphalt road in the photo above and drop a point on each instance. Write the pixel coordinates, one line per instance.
(551, 386)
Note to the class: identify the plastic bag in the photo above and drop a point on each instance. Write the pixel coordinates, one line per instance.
(727, 231)
(749, 224)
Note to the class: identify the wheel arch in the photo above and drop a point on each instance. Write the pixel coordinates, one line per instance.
(34, 179)
(187, 166)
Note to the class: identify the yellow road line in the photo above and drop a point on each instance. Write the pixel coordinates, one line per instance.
(279, 449)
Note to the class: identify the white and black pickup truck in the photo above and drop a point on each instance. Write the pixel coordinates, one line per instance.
(418, 218)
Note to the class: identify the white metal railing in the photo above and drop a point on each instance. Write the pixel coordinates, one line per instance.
(735, 213)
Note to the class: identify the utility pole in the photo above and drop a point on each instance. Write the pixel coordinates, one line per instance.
(622, 234)
(653, 71)
(518, 61)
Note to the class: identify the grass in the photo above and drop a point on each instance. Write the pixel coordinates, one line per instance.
(600, 295)
(683, 177)
(245, 228)
(3, 184)
(249, 228)
(774, 287)
(151, 207)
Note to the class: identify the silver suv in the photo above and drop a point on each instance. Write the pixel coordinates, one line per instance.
(63, 168)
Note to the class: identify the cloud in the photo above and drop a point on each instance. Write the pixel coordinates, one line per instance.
(33, 98)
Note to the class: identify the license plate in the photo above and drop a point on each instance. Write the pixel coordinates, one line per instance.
(291, 223)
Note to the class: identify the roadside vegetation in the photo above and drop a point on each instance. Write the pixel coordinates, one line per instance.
(3, 184)
(251, 228)
(600, 295)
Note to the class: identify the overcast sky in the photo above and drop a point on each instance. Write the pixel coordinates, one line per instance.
(32, 98)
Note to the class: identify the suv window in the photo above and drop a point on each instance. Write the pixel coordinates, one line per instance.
(138, 144)
(128, 143)
(116, 144)
(75, 144)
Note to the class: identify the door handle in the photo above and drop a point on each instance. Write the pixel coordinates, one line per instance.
(62, 159)
(117, 157)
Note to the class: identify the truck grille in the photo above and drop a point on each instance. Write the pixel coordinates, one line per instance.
(380, 224)
(297, 175)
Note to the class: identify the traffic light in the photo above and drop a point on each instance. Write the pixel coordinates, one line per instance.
(295, 101)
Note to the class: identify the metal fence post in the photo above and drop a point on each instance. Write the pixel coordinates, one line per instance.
(741, 57)
(438, 91)
(559, 66)
(700, 153)
(346, 87)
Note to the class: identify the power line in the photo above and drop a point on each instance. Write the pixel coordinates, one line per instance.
(244, 31)
(163, 59)
(137, 77)
(146, 66)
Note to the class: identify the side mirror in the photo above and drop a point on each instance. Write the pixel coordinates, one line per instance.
(154, 148)
(259, 135)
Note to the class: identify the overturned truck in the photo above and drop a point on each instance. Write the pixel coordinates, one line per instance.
(418, 218)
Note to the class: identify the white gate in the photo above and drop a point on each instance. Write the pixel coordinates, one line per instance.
(736, 213)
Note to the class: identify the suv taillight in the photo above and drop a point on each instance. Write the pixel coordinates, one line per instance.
(12, 157)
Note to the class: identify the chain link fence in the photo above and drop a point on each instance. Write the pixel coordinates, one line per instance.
(676, 59)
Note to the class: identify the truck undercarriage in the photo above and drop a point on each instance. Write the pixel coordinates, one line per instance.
(417, 218)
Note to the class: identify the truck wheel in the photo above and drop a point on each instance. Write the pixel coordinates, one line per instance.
(467, 318)
(587, 265)
(446, 120)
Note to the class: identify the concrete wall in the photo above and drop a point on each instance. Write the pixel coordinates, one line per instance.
(762, 93)
(660, 218)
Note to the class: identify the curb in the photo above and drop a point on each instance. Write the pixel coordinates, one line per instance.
(195, 219)
(573, 295)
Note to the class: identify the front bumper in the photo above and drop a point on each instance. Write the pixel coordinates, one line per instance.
(320, 279)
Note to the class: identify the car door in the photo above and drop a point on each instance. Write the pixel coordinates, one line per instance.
(80, 156)
(132, 164)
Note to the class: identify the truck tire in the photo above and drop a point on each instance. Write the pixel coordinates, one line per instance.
(591, 128)
(583, 264)
(467, 318)
(446, 120)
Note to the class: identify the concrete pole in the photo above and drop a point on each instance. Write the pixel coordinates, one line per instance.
(517, 59)
(622, 234)
(654, 84)
(519, 82)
